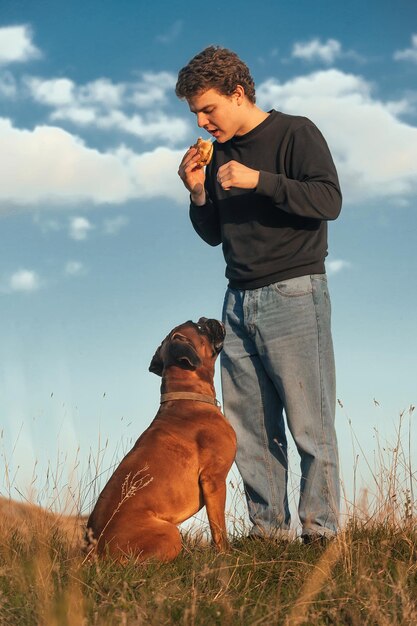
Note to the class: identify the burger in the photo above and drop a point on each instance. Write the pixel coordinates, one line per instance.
(205, 149)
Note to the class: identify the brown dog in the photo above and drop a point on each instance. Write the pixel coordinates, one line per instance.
(179, 464)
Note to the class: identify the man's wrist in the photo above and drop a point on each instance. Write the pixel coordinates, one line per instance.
(199, 199)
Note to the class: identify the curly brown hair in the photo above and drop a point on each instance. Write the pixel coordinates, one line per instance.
(215, 68)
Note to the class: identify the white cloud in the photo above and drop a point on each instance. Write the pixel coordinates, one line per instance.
(79, 228)
(155, 172)
(104, 104)
(74, 268)
(149, 128)
(374, 150)
(114, 225)
(324, 52)
(82, 116)
(24, 280)
(409, 54)
(57, 92)
(401, 107)
(49, 166)
(16, 45)
(152, 90)
(54, 92)
(149, 91)
(102, 91)
(335, 266)
(316, 50)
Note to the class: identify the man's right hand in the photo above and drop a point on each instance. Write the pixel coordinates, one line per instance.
(193, 177)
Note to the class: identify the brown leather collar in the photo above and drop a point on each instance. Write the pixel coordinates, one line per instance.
(188, 395)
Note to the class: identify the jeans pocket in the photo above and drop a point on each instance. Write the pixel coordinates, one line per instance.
(294, 287)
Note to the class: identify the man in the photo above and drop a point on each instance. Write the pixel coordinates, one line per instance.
(266, 197)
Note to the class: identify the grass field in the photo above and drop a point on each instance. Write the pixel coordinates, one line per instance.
(368, 575)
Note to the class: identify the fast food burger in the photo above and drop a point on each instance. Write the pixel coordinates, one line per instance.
(205, 149)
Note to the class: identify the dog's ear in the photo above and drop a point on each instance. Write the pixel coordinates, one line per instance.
(157, 364)
(183, 355)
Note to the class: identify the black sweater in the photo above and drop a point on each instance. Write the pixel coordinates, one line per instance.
(278, 230)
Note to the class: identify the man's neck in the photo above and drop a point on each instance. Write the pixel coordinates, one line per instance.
(253, 117)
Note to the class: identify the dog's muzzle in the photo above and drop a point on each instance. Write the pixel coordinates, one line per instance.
(214, 330)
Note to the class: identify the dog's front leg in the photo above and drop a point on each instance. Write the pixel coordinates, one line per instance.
(214, 495)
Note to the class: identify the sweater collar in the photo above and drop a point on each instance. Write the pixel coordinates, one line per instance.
(242, 139)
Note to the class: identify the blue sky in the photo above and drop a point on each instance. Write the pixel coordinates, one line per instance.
(98, 260)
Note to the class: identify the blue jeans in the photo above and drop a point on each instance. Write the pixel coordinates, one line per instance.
(278, 357)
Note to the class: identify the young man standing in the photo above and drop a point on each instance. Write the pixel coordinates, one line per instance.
(266, 197)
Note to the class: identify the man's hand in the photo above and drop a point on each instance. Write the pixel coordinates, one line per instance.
(192, 176)
(234, 174)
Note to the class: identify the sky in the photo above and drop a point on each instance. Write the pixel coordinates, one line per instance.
(98, 259)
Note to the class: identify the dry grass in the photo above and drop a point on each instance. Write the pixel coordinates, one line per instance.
(368, 575)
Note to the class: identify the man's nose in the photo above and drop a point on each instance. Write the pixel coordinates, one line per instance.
(201, 120)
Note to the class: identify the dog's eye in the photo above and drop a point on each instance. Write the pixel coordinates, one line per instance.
(199, 328)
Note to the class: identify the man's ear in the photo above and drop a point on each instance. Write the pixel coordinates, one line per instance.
(157, 364)
(239, 94)
(183, 355)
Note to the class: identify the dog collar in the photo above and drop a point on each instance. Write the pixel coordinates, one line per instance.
(188, 395)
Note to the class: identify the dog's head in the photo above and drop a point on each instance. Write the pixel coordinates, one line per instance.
(189, 346)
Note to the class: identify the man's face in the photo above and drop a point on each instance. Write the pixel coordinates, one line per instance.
(219, 115)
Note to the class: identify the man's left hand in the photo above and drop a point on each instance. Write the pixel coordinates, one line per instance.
(234, 174)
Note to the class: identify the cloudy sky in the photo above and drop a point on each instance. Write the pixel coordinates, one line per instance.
(98, 260)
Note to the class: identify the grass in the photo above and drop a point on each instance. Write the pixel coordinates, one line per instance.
(368, 575)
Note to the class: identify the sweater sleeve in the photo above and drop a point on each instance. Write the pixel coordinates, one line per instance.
(206, 222)
(310, 188)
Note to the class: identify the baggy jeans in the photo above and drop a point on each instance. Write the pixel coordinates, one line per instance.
(278, 358)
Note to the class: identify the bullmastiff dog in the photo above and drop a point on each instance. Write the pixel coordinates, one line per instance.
(179, 464)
